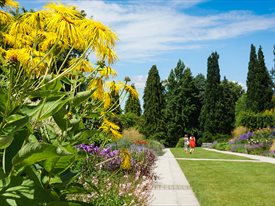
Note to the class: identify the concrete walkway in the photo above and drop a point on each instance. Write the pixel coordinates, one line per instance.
(172, 187)
(255, 157)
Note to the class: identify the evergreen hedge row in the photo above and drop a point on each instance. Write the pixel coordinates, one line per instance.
(257, 120)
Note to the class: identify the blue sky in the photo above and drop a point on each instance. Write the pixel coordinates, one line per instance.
(161, 32)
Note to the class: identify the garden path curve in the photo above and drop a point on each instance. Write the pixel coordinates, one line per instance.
(172, 187)
(255, 157)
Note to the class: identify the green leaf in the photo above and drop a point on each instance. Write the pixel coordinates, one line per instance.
(5, 141)
(80, 97)
(3, 100)
(35, 152)
(60, 120)
(51, 107)
(16, 145)
(46, 109)
(17, 120)
(45, 93)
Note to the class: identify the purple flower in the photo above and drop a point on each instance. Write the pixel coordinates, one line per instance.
(244, 137)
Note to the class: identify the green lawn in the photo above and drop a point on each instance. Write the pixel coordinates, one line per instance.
(230, 183)
(201, 153)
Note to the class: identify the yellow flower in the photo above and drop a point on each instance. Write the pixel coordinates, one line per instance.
(107, 100)
(116, 134)
(102, 38)
(126, 159)
(131, 90)
(97, 85)
(5, 18)
(50, 38)
(84, 66)
(115, 86)
(111, 128)
(107, 71)
(68, 11)
(21, 55)
(10, 3)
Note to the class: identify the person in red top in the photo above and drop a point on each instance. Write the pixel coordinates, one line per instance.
(192, 141)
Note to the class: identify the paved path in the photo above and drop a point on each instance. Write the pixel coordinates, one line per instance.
(172, 188)
(255, 157)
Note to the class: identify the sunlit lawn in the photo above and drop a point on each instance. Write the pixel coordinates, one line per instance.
(229, 183)
(201, 153)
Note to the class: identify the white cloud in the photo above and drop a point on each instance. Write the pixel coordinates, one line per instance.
(139, 81)
(148, 29)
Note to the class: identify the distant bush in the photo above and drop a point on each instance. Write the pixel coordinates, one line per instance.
(220, 145)
(130, 120)
(180, 143)
(239, 130)
(133, 138)
(255, 121)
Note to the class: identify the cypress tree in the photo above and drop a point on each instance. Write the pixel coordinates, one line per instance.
(251, 78)
(264, 90)
(211, 111)
(174, 105)
(132, 104)
(154, 104)
(259, 83)
(182, 102)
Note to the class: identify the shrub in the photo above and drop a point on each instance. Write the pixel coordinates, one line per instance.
(130, 120)
(255, 121)
(238, 148)
(132, 135)
(220, 145)
(180, 143)
(156, 146)
(238, 131)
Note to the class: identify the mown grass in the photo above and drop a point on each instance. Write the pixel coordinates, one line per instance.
(201, 153)
(229, 183)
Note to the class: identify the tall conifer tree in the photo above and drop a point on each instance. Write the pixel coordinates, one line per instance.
(154, 104)
(259, 83)
(132, 104)
(251, 80)
(182, 102)
(264, 91)
(211, 111)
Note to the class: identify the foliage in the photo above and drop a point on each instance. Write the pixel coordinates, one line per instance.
(182, 103)
(132, 138)
(129, 187)
(238, 131)
(231, 92)
(130, 120)
(258, 142)
(211, 114)
(132, 105)
(51, 98)
(180, 143)
(257, 120)
(240, 108)
(259, 83)
(154, 125)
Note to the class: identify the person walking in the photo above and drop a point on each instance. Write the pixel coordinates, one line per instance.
(185, 143)
(192, 141)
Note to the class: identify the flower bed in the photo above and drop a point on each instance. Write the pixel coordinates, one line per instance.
(258, 142)
(110, 182)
